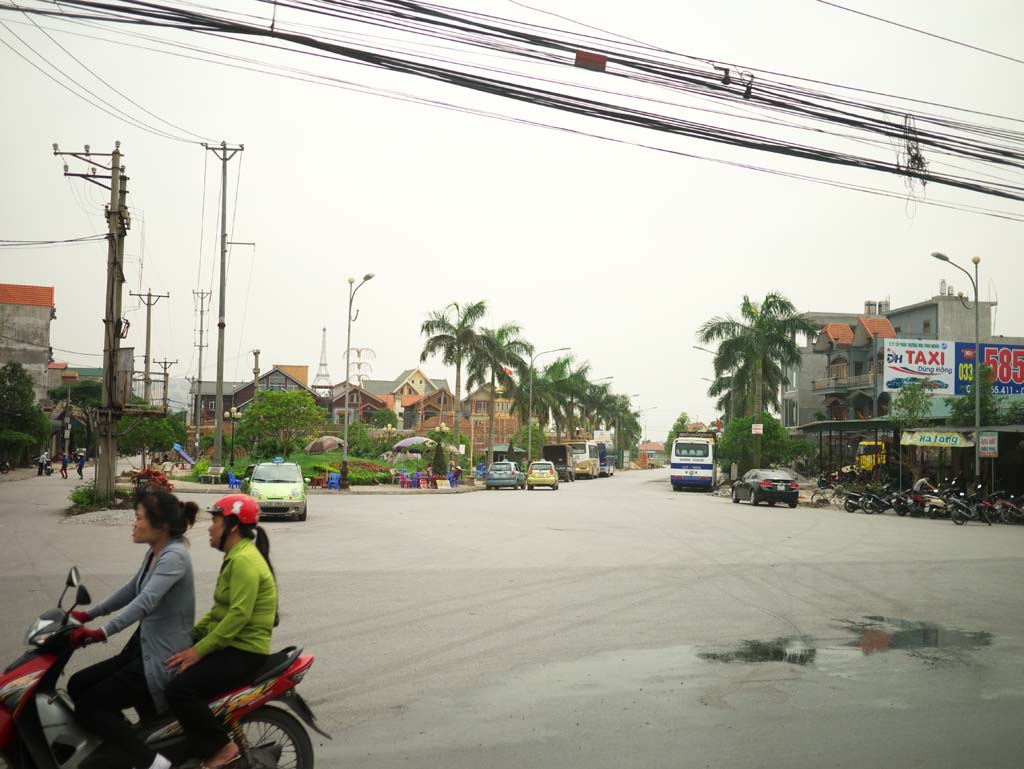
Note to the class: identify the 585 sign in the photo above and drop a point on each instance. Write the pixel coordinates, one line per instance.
(1007, 362)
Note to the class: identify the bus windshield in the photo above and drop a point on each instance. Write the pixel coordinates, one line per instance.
(692, 449)
(579, 448)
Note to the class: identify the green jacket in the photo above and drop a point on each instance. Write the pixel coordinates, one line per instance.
(244, 604)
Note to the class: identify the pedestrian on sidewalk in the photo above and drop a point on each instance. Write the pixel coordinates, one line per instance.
(80, 463)
(64, 465)
(41, 462)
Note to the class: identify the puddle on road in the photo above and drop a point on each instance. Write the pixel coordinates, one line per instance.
(934, 644)
(796, 651)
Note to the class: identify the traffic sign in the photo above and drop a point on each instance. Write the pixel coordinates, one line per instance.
(988, 448)
(757, 428)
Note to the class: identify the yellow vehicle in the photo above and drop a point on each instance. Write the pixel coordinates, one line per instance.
(870, 454)
(586, 458)
(542, 473)
(279, 488)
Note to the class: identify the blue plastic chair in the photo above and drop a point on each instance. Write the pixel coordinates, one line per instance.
(334, 481)
(233, 482)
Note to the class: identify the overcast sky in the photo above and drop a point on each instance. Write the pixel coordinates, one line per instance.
(614, 251)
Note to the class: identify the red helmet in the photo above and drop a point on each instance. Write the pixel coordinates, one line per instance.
(243, 506)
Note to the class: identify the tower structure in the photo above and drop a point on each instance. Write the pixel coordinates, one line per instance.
(322, 382)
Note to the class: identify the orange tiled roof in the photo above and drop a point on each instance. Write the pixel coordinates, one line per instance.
(36, 296)
(388, 399)
(58, 365)
(879, 327)
(839, 333)
(651, 446)
(411, 400)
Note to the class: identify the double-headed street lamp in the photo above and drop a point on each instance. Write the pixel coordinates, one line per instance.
(644, 411)
(976, 376)
(232, 416)
(732, 384)
(348, 377)
(529, 408)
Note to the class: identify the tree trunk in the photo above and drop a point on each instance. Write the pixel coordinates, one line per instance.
(490, 423)
(758, 406)
(458, 409)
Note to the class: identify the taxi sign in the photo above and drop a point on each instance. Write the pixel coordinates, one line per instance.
(278, 460)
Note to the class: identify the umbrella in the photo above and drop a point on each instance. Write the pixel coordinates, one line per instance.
(407, 443)
(323, 444)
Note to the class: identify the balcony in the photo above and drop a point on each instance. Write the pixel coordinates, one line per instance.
(843, 383)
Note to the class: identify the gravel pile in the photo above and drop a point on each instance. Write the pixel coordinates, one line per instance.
(121, 518)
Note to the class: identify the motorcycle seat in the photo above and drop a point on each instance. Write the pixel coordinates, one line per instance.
(277, 663)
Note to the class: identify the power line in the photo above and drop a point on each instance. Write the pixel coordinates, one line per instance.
(45, 243)
(979, 49)
(50, 347)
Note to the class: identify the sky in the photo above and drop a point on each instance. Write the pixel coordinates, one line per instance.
(615, 251)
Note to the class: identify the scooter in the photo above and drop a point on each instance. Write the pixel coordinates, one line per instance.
(48, 467)
(5, 467)
(38, 729)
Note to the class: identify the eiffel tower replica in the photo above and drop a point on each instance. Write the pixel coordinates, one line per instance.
(322, 383)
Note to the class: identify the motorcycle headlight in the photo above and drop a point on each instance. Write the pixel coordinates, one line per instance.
(40, 631)
(255, 493)
(296, 493)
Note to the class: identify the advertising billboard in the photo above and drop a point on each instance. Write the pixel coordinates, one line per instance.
(909, 360)
(1006, 360)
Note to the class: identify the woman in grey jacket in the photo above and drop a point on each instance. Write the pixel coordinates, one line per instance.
(161, 598)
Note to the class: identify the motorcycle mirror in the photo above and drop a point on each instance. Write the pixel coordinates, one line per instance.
(82, 597)
(73, 577)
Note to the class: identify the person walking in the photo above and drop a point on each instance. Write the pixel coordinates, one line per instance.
(80, 464)
(41, 462)
(64, 460)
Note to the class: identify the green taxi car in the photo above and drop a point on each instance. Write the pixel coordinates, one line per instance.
(279, 488)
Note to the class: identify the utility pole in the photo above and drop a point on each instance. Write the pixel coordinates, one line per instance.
(118, 224)
(255, 374)
(149, 300)
(203, 297)
(224, 153)
(166, 364)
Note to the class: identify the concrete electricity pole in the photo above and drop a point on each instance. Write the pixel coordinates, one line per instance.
(118, 224)
(149, 299)
(224, 153)
(203, 297)
(166, 364)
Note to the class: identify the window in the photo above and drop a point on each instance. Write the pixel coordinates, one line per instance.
(503, 407)
(858, 369)
(691, 450)
(927, 327)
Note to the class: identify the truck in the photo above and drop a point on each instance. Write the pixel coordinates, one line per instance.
(606, 454)
(560, 455)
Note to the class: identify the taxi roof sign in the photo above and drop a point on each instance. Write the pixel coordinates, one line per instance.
(278, 460)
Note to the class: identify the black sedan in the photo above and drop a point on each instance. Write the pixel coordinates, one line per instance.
(766, 485)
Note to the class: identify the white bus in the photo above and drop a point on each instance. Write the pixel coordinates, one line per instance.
(693, 461)
(587, 458)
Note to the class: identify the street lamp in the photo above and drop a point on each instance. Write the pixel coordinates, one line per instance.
(643, 411)
(348, 377)
(232, 416)
(529, 408)
(976, 376)
(619, 448)
(732, 384)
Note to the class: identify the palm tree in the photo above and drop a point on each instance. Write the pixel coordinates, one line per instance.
(756, 347)
(499, 353)
(451, 332)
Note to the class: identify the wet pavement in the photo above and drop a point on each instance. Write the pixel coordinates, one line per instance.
(614, 624)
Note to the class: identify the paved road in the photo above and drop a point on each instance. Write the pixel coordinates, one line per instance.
(611, 624)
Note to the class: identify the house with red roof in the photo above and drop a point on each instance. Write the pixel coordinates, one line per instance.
(25, 315)
(852, 387)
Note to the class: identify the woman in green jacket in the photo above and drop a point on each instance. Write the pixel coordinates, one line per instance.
(232, 641)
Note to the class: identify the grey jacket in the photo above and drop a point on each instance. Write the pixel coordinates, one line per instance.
(164, 601)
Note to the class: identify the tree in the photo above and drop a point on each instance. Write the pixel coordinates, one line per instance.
(86, 397)
(438, 464)
(157, 433)
(961, 408)
(286, 418)
(536, 444)
(910, 409)
(452, 334)
(1014, 414)
(756, 348)
(739, 445)
(499, 352)
(359, 442)
(23, 425)
(681, 424)
(383, 418)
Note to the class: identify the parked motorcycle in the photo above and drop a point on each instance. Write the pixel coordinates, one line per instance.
(38, 728)
(5, 467)
(48, 467)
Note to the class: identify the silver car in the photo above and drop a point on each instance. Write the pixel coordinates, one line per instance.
(505, 474)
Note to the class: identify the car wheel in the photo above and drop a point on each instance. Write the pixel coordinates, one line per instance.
(301, 516)
(792, 504)
(529, 488)
(735, 497)
(555, 487)
(771, 503)
(754, 500)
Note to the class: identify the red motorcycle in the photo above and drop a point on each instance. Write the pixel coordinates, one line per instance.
(38, 729)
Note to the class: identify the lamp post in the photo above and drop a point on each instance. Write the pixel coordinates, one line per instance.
(232, 416)
(976, 375)
(529, 408)
(619, 448)
(732, 384)
(348, 378)
(644, 411)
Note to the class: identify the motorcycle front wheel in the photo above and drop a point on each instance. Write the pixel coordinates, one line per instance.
(959, 517)
(850, 506)
(268, 729)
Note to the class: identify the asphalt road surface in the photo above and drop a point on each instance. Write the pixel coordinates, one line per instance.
(612, 623)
